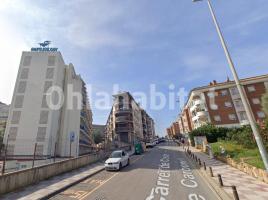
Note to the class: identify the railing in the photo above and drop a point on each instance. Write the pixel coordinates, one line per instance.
(123, 118)
(16, 180)
(123, 111)
(123, 129)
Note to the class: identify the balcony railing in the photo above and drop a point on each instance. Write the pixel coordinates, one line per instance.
(123, 119)
(201, 115)
(123, 129)
(196, 104)
(123, 111)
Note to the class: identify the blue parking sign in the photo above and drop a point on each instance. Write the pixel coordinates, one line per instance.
(72, 136)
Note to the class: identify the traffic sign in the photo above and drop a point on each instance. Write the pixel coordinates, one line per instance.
(72, 136)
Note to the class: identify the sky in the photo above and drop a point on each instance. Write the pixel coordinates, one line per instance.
(135, 43)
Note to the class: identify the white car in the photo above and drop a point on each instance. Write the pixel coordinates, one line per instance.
(117, 160)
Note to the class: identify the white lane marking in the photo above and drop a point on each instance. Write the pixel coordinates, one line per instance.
(189, 180)
(195, 197)
(162, 184)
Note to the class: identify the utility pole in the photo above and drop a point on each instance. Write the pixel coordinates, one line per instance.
(244, 99)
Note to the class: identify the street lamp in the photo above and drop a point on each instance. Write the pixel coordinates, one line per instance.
(240, 90)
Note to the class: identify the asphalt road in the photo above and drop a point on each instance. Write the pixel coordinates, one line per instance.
(162, 173)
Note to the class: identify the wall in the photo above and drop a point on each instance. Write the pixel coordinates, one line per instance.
(15, 180)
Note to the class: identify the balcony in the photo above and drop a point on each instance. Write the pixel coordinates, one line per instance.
(123, 119)
(123, 129)
(123, 111)
(83, 132)
(200, 115)
(196, 104)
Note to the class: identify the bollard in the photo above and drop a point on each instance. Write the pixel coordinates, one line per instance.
(199, 161)
(220, 180)
(205, 167)
(196, 159)
(235, 193)
(211, 172)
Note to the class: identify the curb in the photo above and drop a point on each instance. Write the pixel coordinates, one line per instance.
(55, 192)
(212, 183)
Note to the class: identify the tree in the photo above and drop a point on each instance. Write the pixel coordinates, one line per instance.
(97, 137)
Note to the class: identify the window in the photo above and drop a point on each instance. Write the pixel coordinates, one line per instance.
(13, 131)
(214, 107)
(41, 134)
(243, 116)
(238, 104)
(39, 149)
(15, 117)
(27, 60)
(256, 101)
(217, 118)
(211, 94)
(43, 117)
(24, 73)
(251, 88)
(51, 61)
(22, 87)
(232, 116)
(10, 149)
(19, 101)
(50, 73)
(228, 104)
(48, 84)
(234, 91)
(224, 93)
(261, 114)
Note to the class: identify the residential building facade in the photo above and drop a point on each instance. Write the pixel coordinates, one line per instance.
(128, 123)
(3, 117)
(174, 130)
(49, 108)
(220, 104)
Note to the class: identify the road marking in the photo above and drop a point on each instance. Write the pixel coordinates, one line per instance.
(201, 176)
(162, 185)
(98, 186)
(103, 182)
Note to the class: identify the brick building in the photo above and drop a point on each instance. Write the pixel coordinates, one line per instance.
(221, 105)
(174, 129)
(128, 122)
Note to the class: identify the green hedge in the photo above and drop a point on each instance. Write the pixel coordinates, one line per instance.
(242, 136)
(212, 133)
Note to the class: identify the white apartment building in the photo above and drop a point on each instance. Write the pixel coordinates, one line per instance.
(59, 124)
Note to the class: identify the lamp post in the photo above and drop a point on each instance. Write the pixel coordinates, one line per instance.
(240, 89)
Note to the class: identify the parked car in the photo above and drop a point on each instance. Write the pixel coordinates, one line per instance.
(117, 160)
(150, 144)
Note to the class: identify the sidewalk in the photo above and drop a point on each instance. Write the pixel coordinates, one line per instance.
(47, 187)
(248, 187)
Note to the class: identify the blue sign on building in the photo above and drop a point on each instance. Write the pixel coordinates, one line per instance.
(44, 46)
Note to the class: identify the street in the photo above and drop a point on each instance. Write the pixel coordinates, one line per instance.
(163, 172)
